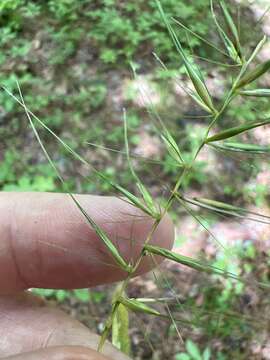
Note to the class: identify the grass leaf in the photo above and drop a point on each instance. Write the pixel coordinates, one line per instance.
(227, 209)
(219, 205)
(199, 37)
(228, 133)
(132, 199)
(102, 235)
(240, 147)
(256, 92)
(187, 261)
(193, 350)
(197, 265)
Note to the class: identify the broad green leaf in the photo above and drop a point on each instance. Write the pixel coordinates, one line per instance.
(228, 133)
(206, 354)
(120, 327)
(193, 350)
(182, 356)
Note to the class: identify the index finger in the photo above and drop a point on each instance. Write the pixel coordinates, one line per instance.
(46, 241)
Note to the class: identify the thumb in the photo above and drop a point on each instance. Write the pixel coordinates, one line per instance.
(28, 327)
(61, 353)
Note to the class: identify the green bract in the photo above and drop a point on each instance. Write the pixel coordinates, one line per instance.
(233, 49)
(232, 28)
(193, 72)
(172, 147)
(136, 305)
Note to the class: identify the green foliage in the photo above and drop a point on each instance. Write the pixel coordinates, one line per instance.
(37, 183)
(7, 5)
(91, 93)
(83, 295)
(13, 177)
(59, 295)
(115, 31)
(7, 174)
(136, 25)
(222, 296)
(193, 352)
(41, 42)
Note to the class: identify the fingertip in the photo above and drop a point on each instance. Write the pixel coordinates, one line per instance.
(61, 353)
(48, 243)
(166, 233)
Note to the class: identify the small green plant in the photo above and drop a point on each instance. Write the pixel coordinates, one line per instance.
(193, 352)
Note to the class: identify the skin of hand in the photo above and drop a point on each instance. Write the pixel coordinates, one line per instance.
(47, 243)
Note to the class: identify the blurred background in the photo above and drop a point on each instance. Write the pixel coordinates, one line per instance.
(74, 60)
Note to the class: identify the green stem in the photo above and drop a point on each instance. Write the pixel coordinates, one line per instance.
(230, 96)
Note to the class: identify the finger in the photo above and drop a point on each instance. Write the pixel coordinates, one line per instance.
(60, 353)
(28, 325)
(46, 241)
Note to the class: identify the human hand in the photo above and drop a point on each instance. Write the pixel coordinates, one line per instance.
(45, 242)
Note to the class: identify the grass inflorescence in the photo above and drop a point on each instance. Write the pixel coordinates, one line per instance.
(144, 201)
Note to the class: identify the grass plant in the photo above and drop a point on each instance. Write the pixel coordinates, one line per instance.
(248, 73)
